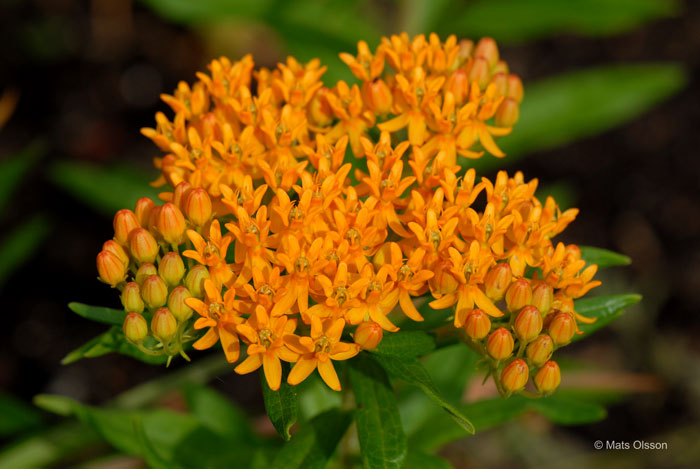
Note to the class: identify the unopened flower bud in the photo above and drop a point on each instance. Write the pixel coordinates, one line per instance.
(500, 344)
(163, 324)
(501, 82)
(497, 281)
(182, 190)
(548, 377)
(124, 222)
(195, 280)
(143, 246)
(198, 206)
(443, 282)
(145, 271)
(458, 84)
(514, 376)
(542, 298)
(572, 252)
(131, 298)
(477, 325)
(319, 111)
(111, 269)
(171, 223)
(515, 88)
(116, 249)
(466, 46)
(501, 67)
(368, 335)
(508, 113)
(154, 291)
(171, 268)
(479, 73)
(143, 209)
(378, 96)
(540, 350)
(519, 295)
(177, 305)
(528, 324)
(135, 327)
(562, 328)
(153, 222)
(487, 48)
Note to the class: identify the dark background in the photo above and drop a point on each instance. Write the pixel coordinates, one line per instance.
(89, 75)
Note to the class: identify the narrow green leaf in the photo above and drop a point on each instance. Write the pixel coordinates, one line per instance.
(153, 459)
(405, 344)
(104, 189)
(605, 308)
(451, 367)
(420, 460)
(111, 341)
(315, 442)
(565, 108)
(315, 397)
(282, 406)
(14, 168)
(514, 20)
(218, 414)
(603, 258)
(412, 371)
(17, 417)
(379, 429)
(568, 411)
(22, 243)
(113, 317)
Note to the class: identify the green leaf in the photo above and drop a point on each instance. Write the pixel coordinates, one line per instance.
(451, 367)
(420, 460)
(605, 308)
(565, 108)
(218, 414)
(153, 459)
(17, 417)
(603, 258)
(13, 170)
(206, 11)
(104, 189)
(405, 344)
(412, 371)
(315, 397)
(22, 243)
(515, 20)
(113, 317)
(379, 429)
(111, 341)
(315, 442)
(282, 406)
(568, 411)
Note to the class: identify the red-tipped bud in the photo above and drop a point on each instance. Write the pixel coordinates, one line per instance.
(145, 271)
(378, 97)
(143, 209)
(562, 328)
(163, 324)
(458, 84)
(572, 252)
(182, 190)
(153, 222)
(515, 88)
(171, 268)
(131, 298)
(542, 298)
(479, 73)
(514, 376)
(319, 111)
(177, 305)
(124, 221)
(116, 249)
(466, 46)
(443, 282)
(143, 246)
(135, 328)
(497, 281)
(548, 377)
(171, 224)
(501, 67)
(528, 324)
(368, 335)
(195, 280)
(111, 269)
(477, 325)
(508, 113)
(487, 48)
(198, 206)
(501, 82)
(540, 350)
(519, 295)
(500, 344)
(154, 291)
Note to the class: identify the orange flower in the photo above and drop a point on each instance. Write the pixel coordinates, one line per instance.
(302, 265)
(318, 350)
(340, 295)
(410, 278)
(378, 299)
(212, 253)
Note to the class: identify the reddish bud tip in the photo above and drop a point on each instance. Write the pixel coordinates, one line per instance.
(154, 291)
(528, 324)
(542, 298)
(477, 324)
(110, 268)
(195, 280)
(508, 113)
(548, 377)
(514, 376)
(540, 350)
(562, 328)
(182, 190)
(124, 222)
(497, 281)
(171, 268)
(487, 48)
(519, 295)
(515, 88)
(378, 96)
(143, 209)
(131, 298)
(177, 305)
(135, 328)
(368, 335)
(116, 249)
(198, 207)
(171, 223)
(163, 324)
(145, 271)
(143, 246)
(479, 72)
(500, 344)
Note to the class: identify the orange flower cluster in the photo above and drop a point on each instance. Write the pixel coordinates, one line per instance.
(287, 257)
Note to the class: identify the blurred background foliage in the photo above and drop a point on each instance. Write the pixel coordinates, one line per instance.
(608, 124)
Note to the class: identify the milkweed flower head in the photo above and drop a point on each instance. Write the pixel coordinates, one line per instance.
(303, 222)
